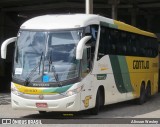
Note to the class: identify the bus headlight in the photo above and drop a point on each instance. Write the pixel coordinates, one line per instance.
(74, 91)
(15, 91)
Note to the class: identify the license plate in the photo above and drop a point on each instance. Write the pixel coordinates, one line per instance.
(41, 105)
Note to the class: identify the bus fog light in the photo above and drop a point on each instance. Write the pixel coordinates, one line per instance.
(69, 104)
(16, 102)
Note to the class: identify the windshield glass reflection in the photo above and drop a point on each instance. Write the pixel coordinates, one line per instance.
(58, 49)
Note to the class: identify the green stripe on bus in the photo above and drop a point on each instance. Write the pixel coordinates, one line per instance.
(117, 73)
(57, 89)
(125, 73)
(108, 25)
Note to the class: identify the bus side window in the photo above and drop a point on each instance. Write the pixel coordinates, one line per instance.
(137, 42)
(94, 31)
(123, 42)
(116, 41)
(133, 45)
(113, 42)
(86, 62)
(102, 43)
(142, 45)
(154, 47)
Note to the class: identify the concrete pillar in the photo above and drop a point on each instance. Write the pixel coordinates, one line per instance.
(149, 22)
(114, 11)
(89, 6)
(1, 26)
(133, 16)
(114, 4)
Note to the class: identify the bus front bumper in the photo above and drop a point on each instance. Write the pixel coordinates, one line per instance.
(70, 103)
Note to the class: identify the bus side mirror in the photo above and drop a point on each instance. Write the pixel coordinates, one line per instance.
(4, 46)
(80, 47)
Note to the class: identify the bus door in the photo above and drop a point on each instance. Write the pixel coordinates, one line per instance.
(87, 78)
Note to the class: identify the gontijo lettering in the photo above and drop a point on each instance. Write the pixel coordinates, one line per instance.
(140, 64)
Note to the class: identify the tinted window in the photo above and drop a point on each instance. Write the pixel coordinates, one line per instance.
(117, 42)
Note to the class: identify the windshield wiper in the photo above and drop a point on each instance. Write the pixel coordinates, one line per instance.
(56, 76)
(27, 81)
(54, 70)
(40, 62)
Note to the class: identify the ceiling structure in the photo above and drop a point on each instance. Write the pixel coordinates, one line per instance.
(147, 6)
(146, 10)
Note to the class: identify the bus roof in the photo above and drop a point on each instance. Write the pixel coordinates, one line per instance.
(129, 28)
(70, 21)
(51, 22)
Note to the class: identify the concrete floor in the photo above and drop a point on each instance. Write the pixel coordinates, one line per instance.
(110, 113)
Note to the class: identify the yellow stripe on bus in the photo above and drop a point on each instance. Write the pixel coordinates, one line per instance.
(31, 90)
(28, 90)
(129, 28)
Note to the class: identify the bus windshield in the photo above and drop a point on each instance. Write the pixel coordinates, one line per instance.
(39, 56)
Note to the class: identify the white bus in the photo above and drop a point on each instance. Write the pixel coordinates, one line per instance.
(77, 62)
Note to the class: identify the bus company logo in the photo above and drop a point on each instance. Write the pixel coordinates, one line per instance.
(86, 101)
(140, 64)
(41, 97)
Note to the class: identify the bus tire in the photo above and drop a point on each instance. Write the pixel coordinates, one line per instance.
(148, 90)
(95, 110)
(142, 97)
(42, 112)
